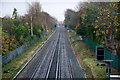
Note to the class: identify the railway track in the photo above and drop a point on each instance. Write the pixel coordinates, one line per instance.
(51, 62)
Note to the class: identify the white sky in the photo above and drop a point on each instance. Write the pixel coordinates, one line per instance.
(55, 8)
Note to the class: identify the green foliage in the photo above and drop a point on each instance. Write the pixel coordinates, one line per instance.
(33, 37)
(27, 32)
(90, 16)
(118, 36)
(81, 31)
(70, 18)
(38, 32)
(86, 31)
(98, 21)
(12, 47)
(16, 22)
(7, 26)
(19, 31)
(21, 42)
(27, 39)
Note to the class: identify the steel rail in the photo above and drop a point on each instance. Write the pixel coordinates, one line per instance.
(39, 65)
(28, 61)
(47, 75)
(58, 60)
(36, 72)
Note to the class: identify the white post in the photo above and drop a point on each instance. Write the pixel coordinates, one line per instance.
(31, 27)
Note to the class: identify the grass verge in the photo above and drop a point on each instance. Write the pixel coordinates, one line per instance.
(10, 69)
(87, 60)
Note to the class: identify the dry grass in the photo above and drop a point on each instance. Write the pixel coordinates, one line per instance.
(86, 58)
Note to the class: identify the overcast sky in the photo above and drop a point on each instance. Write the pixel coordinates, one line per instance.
(56, 8)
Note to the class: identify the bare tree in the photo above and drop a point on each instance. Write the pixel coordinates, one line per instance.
(34, 13)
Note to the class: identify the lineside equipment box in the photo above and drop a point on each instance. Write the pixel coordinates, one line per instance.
(100, 53)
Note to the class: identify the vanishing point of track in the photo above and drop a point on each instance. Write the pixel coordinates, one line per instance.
(54, 60)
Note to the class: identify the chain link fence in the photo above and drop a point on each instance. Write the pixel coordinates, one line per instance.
(9, 56)
(107, 56)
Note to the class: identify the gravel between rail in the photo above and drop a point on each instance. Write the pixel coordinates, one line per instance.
(56, 60)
